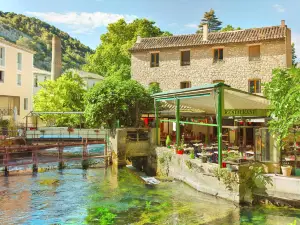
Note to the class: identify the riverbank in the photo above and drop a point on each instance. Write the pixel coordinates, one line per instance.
(249, 184)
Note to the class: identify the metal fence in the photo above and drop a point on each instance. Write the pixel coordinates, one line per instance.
(65, 133)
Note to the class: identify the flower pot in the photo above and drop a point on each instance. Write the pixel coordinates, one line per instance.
(180, 152)
(297, 172)
(286, 170)
(203, 159)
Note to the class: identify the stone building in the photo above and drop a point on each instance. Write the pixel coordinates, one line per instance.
(243, 59)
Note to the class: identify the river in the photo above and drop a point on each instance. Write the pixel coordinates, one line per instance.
(116, 196)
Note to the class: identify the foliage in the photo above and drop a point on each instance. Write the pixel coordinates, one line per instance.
(115, 99)
(293, 223)
(103, 216)
(228, 178)
(37, 36)
(168, 141)
(232, 156)
(112, 55)
(188, 164)
(154, 88)
(253, 179)
(294, 56)
(192, 155)
(4, 123)
(210, 18)
(230, 28)
(283, 93)
(66, 94)
(164, 159)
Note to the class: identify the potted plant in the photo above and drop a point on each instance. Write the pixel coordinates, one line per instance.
(203, 157)
(286, 170)
(180, 150)
(192, 155)
(168, 141)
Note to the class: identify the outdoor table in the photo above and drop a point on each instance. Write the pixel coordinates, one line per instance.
(197, 144)
(205, 154)
(188, 150)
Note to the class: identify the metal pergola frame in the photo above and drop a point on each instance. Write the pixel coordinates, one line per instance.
(217, 90)
(38, 113)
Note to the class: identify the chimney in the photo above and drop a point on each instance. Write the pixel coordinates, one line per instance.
(205, 32)
(56, 58)
(138, 39)
(283, 23)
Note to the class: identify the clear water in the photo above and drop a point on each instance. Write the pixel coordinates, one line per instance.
(112, 196)
(92, 149)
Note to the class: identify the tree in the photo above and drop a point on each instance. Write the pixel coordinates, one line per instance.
(66, 94)
(283, 93)
(115, 99)
(210, 18)
(41, 34)
(26, 43)
(294, 56)
(112, 55)
(230, 28)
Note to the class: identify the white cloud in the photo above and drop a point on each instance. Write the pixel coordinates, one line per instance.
(279, 8)
(191, 25)
(81, 22)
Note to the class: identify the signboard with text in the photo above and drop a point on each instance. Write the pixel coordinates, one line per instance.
(245, 112)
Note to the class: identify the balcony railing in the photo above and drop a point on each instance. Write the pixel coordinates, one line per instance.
(6, 112)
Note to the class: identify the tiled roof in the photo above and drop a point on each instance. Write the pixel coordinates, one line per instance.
(240, 36)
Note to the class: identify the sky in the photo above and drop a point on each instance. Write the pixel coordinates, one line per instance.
(86, 20)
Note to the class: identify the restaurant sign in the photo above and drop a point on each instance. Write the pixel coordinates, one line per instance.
(245, 112)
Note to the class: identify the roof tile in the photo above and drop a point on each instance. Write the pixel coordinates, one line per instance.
(239, 36)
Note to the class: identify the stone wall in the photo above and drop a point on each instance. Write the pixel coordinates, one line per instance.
(236, 69)
(194, 173)
(122, 148)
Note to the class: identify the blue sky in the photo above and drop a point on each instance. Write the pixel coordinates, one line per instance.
(86, 20)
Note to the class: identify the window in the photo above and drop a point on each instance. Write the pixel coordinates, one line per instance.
(218, 81)
(154, 60)
(254, 86)
(1, 76)
(185, 84)
(19, 61)
(218, 54)
(185, 58)
(2, 56)
(19, 80)
(25, 103)
(35, 81)
(254, 53)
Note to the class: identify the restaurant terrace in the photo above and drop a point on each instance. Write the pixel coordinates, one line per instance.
(214, 120)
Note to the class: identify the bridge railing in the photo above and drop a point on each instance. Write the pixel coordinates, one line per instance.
(65, 133)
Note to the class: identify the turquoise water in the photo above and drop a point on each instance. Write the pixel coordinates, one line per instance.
(112, 196)
(92, 149)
